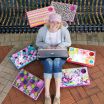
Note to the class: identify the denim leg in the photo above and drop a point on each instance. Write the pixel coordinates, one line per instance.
(57, 67)
(48, 67)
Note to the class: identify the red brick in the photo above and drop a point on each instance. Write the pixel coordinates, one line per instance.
(101, 67)
(91, 89)
(85, 101)
(93, 70)
(97, 75)
(4, 51)
(98, 59)
(102, 79)
(8, 101)
(95, 99)
(101, 97)
(82, 92)
(100, 84)
(75, 94)
(66, 96)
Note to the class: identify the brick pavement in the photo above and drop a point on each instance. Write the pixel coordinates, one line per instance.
(92, 94)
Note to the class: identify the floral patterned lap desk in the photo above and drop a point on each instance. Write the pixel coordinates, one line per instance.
(75, 77)
(29, 84)
(24, 56)
(81, 56)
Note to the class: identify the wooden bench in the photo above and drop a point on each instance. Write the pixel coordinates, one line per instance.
(89, 17)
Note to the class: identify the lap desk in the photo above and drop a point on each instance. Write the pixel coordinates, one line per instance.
(29, 84)
(67, 11)
(39, 16)
(24, 56)
(75, 77)
(81, 56)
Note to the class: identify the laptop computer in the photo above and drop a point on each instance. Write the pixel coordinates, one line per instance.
(46, 53)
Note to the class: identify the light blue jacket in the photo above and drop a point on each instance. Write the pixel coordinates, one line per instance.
(65, 38)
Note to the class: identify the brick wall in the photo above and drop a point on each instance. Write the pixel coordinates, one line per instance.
(20, 40)
(93, 38)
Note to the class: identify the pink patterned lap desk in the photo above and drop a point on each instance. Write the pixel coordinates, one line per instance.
(75, 77)
(81, 56)
(24, 56)
(29, 84)
(67, 11)
(39, 16)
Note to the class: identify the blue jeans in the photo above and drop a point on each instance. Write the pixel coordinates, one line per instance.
(53, 66)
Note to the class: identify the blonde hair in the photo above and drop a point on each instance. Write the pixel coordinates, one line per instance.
(54, 17)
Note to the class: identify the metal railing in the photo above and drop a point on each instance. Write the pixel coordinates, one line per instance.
(89, 17)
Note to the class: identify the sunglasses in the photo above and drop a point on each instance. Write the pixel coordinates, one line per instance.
(54, 22)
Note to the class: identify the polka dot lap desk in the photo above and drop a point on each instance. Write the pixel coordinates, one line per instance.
(39, 16)
(67, 11)
(81, 56)
(29, 84)
(75, 77)
(24, 56)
